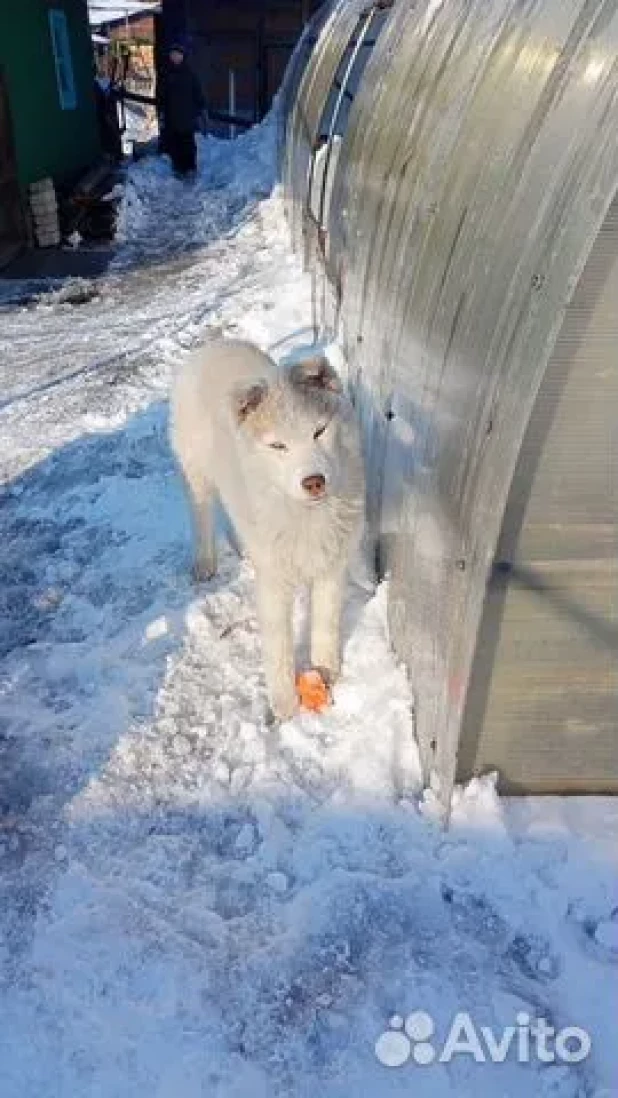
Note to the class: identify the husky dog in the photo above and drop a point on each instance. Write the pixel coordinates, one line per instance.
(281, 450)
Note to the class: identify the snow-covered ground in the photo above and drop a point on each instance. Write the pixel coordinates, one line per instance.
(141, 125)
(194, 903)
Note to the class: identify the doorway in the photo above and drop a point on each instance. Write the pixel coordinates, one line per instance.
(12, 223)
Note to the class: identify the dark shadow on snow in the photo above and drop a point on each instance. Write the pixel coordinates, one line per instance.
(373, 917)
(95, 544)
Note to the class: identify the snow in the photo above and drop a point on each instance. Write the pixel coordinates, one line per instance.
(101, 12)
(194, 902)
(141, 125)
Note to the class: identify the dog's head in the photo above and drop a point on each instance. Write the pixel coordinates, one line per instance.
(297, 426)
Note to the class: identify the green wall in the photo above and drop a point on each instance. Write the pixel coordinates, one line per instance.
(48, 140)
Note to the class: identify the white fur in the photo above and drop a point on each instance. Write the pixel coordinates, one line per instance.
(230, 408)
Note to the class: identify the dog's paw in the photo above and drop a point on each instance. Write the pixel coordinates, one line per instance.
(203, 569)
(329, 671)
(285, 706)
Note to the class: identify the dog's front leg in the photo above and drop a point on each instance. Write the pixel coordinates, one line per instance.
(275, 605)
(326, 601)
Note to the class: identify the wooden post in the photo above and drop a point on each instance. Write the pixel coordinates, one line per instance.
(232, 99)
(261, 75)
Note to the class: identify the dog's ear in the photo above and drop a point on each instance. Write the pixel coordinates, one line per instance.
(246, 398)
(315, 373)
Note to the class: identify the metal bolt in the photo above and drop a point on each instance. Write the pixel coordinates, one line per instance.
(504, 566)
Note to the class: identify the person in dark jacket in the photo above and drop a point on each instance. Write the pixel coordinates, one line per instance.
(180, 103)
(107, 98)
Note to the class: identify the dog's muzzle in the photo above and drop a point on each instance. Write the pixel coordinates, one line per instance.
(314, 486)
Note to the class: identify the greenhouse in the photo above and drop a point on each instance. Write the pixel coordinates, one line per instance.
(450, 170)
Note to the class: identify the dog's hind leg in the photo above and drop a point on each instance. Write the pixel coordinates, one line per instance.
(202, 494)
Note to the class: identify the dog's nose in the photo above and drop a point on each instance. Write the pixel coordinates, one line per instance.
(314, 485)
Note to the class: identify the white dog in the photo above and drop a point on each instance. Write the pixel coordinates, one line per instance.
(282, 451)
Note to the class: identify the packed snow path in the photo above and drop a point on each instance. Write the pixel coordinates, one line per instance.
(194, 903)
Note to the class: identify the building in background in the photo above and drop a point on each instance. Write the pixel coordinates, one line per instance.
(48, 125)
(124, 36)
(239, 48)
(123, 19)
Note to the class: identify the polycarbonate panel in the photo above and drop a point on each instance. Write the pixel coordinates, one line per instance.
(480, 159)
(547, 715)
(350, 72)
(304, 119)
(294, 74)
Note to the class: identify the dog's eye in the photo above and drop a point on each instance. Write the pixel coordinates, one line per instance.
(320, 430)
(277, 445)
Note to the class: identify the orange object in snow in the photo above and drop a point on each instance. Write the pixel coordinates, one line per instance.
(312, 691)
